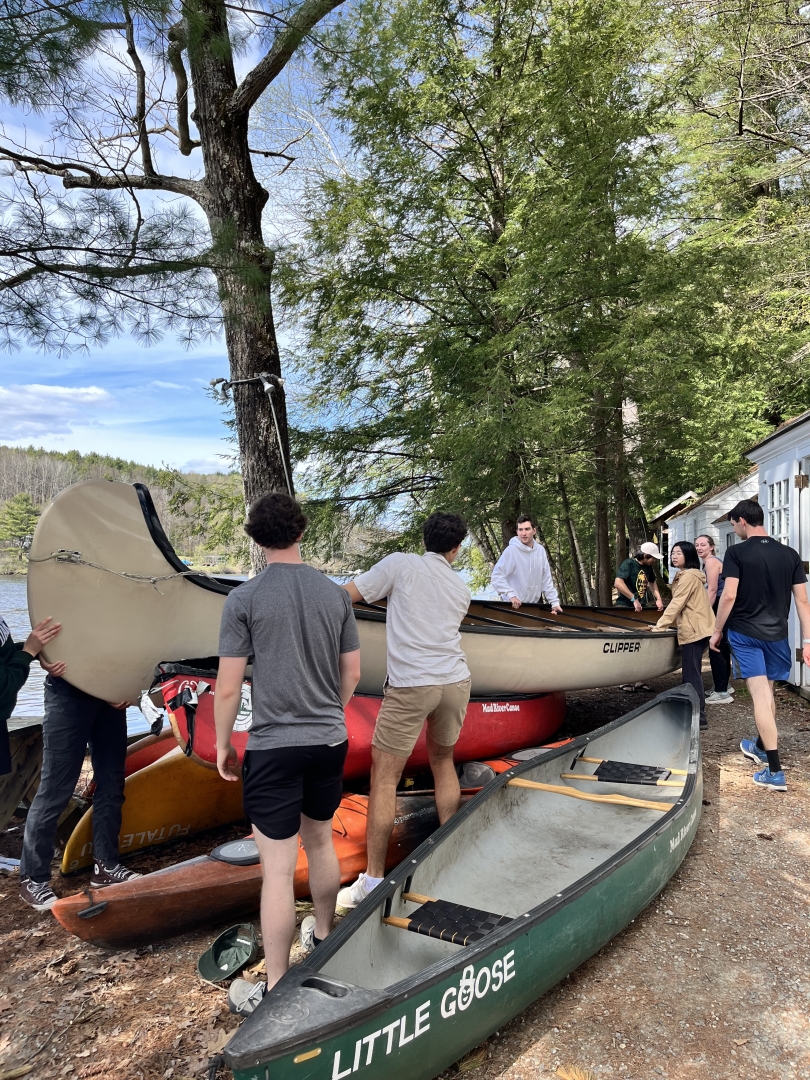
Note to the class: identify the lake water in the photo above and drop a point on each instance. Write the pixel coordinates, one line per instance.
(14, 609)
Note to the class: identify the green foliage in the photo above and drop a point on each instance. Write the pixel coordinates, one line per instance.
(18, 519)
(210, 511)
(463, 293)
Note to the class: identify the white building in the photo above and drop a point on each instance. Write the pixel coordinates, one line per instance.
(784, 493)
(708, 514)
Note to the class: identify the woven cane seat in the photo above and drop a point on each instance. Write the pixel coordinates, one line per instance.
(624, 772)
(454, 922)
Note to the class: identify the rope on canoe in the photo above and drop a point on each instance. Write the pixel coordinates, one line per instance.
(75, 557)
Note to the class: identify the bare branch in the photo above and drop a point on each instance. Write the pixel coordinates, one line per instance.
(140, 106)
(177, 43)
(94, 180)
(308, 15)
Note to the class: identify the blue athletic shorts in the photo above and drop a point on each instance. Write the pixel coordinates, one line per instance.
(755, 657)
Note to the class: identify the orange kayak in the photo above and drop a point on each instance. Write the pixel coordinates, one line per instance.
(204, 889)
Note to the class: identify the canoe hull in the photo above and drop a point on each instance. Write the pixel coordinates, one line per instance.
(117, 589)
(564, 940)
(202, 890)
(403, 1006)
(491, 728)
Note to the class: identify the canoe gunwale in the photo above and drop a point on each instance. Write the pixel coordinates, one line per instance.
(428, 977)
(368, 612)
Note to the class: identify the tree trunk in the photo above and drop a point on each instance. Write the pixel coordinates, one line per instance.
(580, 574)
(619, 496)
(233, 202)
(604, 568)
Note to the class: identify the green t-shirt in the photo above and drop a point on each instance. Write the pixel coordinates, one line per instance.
(637, 578)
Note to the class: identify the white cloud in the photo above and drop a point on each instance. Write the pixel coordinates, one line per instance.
(167, 385)
(35, 410)
(207, 465)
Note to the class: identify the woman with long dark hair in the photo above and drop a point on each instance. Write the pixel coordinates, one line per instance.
(719, 660)
(689, 611)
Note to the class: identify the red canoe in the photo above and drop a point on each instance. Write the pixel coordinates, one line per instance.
(491, 728)
(204, 889)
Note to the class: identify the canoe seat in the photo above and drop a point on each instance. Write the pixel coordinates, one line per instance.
(449, 922)
(626, 772)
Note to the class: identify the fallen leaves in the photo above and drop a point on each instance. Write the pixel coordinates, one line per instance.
(573, 1072)
(218, 1041)
(473, 1060)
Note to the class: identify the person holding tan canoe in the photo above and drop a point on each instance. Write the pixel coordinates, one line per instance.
(427, 678)
(522, 574)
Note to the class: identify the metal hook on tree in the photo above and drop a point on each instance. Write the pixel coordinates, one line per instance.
(270, 383)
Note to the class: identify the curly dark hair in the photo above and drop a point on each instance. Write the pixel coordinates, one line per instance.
(275, 520)
(443, 532)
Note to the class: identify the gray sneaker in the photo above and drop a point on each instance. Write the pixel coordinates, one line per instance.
(38, 894)
(244, 997)
(307, 932)
(110, 874)
(718, 697)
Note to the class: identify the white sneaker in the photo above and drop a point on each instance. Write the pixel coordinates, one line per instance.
(307, 932)
(353, 894)
(718, 698)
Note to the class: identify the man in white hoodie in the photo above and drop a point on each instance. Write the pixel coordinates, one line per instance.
(522, 573)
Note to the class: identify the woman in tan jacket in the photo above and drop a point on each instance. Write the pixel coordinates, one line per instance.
(690, 611)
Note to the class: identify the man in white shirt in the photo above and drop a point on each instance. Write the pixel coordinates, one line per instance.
(522, 574)
(427, 678)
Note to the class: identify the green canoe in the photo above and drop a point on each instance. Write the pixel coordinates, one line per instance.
(514, 892)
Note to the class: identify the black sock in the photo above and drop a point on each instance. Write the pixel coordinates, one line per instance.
(317, 940)
(760, 744)
(773, 760)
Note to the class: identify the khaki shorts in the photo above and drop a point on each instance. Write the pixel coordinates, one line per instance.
(405, 708)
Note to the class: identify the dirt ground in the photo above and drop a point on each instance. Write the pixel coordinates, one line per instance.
(712, 981)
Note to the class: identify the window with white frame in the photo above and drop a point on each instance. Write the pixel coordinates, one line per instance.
(779, 511)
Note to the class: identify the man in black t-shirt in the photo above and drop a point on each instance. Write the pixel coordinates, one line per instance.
(761, 575)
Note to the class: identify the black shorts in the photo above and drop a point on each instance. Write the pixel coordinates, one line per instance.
(282, 784)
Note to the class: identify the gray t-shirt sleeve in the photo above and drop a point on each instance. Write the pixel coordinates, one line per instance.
(349, 637)
(234, 632)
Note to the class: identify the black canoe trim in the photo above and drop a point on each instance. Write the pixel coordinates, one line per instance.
(428, 977)
(369, 612)
(163, 543)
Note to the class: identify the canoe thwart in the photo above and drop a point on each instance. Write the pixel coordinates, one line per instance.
(601, 761)
(417, 898)
(616, 800)
(449, 922)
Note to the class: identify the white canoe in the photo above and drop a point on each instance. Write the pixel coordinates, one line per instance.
(101, 564)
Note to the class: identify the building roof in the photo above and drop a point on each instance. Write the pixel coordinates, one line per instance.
(676, 504)
(786, 425)
(715, 491)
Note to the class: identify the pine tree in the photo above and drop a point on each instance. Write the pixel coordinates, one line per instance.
(18, 519)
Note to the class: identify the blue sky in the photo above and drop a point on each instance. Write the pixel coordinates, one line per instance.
(145, 404)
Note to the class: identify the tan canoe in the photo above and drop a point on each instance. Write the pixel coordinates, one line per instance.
(101, 565)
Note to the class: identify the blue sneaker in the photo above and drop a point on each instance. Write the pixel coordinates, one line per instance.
(751, 750)
(774, 780)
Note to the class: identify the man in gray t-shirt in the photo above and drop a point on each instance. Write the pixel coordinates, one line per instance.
(297, 628)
